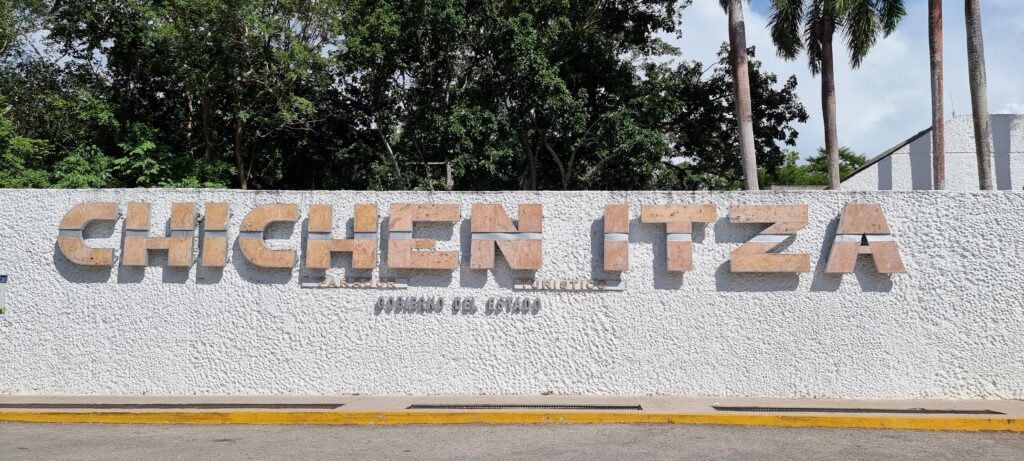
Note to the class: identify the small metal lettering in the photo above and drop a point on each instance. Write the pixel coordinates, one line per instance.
(344, 282)
(544, 283)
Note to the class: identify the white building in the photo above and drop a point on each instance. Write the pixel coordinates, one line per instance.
(908, 165)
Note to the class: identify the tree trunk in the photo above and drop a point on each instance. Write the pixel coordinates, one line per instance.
(979, 93)
(938, 112)
(741, 88)
(563, 171)
(243, 182)
(828, 103)
(208, 145)
(531, 160)
(189, 122)
(394, 160)
(533, 169)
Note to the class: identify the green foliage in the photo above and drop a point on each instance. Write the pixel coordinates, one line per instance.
(372, 94)
(813, 172)
(19, 155)
(85, 167)
(702, 124)
(848, 161)
(796, 25)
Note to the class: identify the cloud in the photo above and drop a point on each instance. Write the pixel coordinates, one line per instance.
(888, 98)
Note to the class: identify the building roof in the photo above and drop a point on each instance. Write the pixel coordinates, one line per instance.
(887, 153)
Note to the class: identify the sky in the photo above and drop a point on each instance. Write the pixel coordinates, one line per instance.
(887, 99)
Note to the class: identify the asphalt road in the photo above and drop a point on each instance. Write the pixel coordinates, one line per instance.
(31, 441)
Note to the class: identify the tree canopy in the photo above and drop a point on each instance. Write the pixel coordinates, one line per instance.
(372, 94)
(815, 171)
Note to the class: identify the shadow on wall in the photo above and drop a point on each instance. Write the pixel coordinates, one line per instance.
(726, 280)
(256, 274)
(654, 235)
(920, 154)
(442, 233)
(503, 274)
(885, 173)
(920, 157)
(75, 273)
(1001, 148)
(208, 275)
(157, 258)
(597, 271)
(867, 276)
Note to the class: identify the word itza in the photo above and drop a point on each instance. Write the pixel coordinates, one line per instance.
(862, 229)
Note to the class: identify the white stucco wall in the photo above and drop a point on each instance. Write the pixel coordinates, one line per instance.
(910, 167)
(952, 327)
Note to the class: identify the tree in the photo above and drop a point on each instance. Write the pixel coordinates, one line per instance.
(212, 80)
(741, 82)
(17, 19)
(979, 92)
(938, 113)
(813, 172)
(526, 94)
(373, 94)
(811, 25)
(700, 120)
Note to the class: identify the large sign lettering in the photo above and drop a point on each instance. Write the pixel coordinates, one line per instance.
(862, 230)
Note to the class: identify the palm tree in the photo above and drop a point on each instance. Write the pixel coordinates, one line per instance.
(812, 24)
(938, 113)
(979, 92)
(741, 88)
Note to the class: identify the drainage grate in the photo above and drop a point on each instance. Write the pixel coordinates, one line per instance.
(524, 407)
(173, 406)
(912, 411)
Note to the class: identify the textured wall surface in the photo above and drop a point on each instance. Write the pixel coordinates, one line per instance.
(952, 327)
(910, 167)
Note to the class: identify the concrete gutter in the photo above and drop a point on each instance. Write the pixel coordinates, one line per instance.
(943, 415)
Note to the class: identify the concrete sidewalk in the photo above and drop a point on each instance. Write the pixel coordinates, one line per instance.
(972, 415)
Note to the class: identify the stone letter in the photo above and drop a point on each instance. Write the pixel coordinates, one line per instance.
(859, 223)
(320, 244)
(753, 255)
(70, 237)
(250, 236)
(521, 246)
(679, 221)
(215, 235)
(138, 242)
(405, 252)
(616, 238)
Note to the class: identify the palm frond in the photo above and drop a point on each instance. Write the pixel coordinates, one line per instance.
(890, 13)
(860, 29)
(784, 24)
(812, 33)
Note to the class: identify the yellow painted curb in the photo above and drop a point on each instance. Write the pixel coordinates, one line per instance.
(400, 417)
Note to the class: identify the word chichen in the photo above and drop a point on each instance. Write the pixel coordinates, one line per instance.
(862, 230)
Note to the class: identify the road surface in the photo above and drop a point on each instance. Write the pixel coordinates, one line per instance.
(36, 441)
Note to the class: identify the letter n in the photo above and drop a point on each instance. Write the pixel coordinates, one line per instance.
(521, 245)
